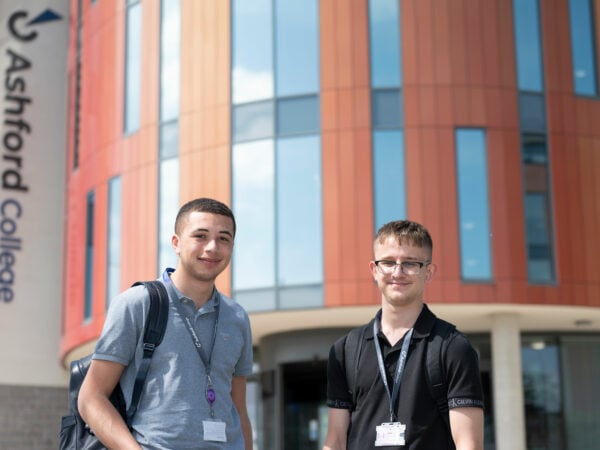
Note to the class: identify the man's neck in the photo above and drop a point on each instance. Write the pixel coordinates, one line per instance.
(397, 320)
(198, 291)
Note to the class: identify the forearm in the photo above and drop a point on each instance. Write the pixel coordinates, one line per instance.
(106, 423)
(247, 432)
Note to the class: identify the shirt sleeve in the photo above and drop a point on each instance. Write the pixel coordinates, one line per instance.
(338, 394)
(123, 326)
(243, 367)
(462, 374)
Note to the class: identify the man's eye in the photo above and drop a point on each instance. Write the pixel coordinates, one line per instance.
(388, 264)
(410, 264)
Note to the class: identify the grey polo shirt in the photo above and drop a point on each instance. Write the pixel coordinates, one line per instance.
(173, 405)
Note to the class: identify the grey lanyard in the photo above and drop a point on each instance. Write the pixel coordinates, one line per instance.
(399, 366)
(210, 393)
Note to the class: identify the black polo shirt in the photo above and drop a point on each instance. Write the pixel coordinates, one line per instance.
(416, 408)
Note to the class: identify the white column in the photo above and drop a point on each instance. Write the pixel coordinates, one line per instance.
(509, 410)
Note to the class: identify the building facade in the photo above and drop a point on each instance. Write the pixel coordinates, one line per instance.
(318, 121)
(33, 59)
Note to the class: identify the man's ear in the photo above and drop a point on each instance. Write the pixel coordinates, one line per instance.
(431, 271)
(175, 243)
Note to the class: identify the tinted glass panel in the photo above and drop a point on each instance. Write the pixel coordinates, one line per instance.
(297, 47)
(167, 211)
(528, 45)
(253, 121)
(113, 275)
(542, 392)
(581, 15)
(580, 356)
(386, 107)
(384, 33)
(252, 51)
(389, 177)
(169, 139)
(532, 112)
(298, 115)
(299, 212)
(473, 204)
(133, 65)
(253, 200)
(89, 255)
(169, 59)
(537, 209)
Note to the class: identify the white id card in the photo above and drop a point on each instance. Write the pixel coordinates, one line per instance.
(390, 433)
(214, 431)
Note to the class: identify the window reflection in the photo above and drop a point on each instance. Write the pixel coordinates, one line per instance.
(167, 210)
(385, 50)
(528, 45)
(297, 47)
(581, 15)
(113, 272)
(252, 50)
(537, 206)
(542, 393)
(389, 176)
(170, 37)
(133, 65)
(473, 204)
(299, 217)
(253, 194)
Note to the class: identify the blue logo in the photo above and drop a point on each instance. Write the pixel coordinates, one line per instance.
(22, 31)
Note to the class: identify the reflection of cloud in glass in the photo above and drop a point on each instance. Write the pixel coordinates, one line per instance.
(384, 10)
(169, 74)
(580, 73)
(254, 262)
(250, 85)
(468, 226)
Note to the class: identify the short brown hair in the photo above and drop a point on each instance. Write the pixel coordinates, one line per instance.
(204, 204)
(406, 232)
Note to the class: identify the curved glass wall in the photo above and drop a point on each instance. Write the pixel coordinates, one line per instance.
(168, 151)
(276, 154)
(389, 190)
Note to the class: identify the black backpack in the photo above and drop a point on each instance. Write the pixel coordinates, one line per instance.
(74, 432)
(436, 347)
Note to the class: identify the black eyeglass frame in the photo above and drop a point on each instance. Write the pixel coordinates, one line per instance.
(402, 265)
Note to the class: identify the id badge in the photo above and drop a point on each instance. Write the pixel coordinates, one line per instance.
(390, 433)
(214, 431)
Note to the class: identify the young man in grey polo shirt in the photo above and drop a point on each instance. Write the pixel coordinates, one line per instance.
(194, 396)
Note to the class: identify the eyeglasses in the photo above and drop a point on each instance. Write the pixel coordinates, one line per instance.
(410, 268)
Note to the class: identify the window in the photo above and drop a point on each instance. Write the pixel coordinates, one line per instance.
(252, 54)
(528, 45)
(168, 195)
(113, 272)
(384, 45)
(276, 175)
(387, 115)
(473, 205)
(133, 65)
(89, 256)
(168, 205)
(297, 49)
(581, 15)
(389, 184)
(170, 37)
(538, 213)
(542, 392)
(253, 195)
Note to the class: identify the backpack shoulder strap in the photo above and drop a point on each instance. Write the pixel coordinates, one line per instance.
(436, 379)
(154, 330)
(352, 350)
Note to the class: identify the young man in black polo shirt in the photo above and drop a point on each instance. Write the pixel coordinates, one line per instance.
(394, 408)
